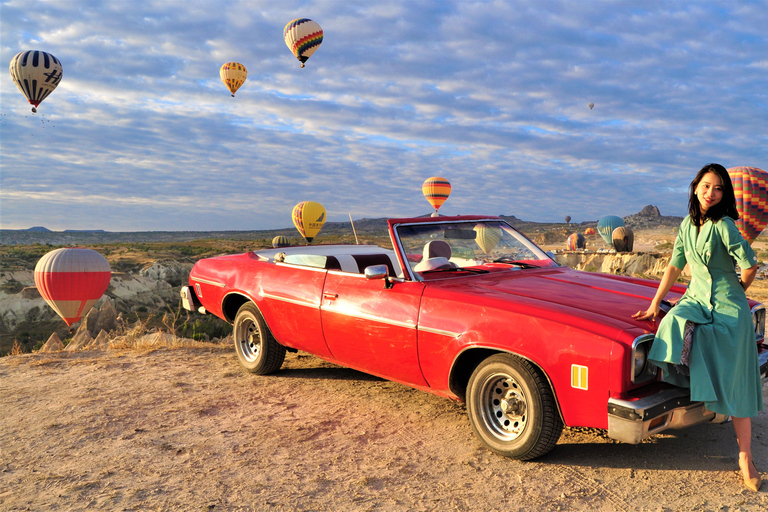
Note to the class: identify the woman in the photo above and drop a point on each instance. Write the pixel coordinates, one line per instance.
(707, 341)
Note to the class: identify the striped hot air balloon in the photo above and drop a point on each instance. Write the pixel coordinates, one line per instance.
(308, 217)
(436, 190)
(36, 74)
(72, 280)
(750, 186)
(280, 241)
(303, 37)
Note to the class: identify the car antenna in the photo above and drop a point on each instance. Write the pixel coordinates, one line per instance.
(353, 229)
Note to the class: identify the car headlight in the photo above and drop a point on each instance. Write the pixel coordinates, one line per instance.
(641, 369)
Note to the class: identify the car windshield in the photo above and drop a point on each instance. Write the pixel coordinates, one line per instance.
(468, 247)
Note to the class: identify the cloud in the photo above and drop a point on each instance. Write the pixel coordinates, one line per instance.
(142, 135)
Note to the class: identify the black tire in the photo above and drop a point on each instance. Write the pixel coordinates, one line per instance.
(512, 408)
(256, 348)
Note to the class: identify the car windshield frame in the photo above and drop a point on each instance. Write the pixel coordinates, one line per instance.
(476, 246)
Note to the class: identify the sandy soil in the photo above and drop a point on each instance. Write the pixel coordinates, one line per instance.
(186, 429)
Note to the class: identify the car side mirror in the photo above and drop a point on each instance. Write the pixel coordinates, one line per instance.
(379, 272)
(376, 272)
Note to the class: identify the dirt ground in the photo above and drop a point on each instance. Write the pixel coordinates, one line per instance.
(186, 428)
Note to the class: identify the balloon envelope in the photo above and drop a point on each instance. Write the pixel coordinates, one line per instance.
(606, 225)
(36, 74)
(567, 219)
(280, 241)
(233, 74)
(590, 231)
(303, 37)
(591, 106)
(308, 217)
(575, 241)
(750, 185)
(71, 280)
(487, 237)
(436, 190)
(623, 239)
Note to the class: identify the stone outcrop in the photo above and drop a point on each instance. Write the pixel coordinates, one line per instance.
(650, 218)
(53, 344)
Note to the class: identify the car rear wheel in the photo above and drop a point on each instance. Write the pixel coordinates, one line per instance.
(512, 408)
(256, 348)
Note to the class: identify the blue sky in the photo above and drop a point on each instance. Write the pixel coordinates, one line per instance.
(141, 134)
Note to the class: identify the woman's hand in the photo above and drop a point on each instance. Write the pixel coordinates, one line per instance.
(650, 314)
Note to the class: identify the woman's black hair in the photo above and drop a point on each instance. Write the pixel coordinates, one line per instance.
(727, 204)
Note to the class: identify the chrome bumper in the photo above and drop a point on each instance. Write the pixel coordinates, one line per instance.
(763, 359)
(631, 421)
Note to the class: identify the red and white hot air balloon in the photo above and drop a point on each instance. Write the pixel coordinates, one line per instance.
(71, 280)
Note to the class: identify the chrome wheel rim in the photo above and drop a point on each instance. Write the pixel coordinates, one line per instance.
(504, 406)
(250, 341)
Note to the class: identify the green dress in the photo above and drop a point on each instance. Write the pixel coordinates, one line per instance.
(723, 366)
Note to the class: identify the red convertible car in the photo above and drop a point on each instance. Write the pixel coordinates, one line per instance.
(467, 308)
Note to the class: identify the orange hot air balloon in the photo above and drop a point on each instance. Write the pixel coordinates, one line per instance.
(750, 185)
(436, 190)
(71, 280)
(590, 231)
(308, 217)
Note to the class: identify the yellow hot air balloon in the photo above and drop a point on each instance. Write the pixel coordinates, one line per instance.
(36, 74)
(303, 37)
(233, 74)
(487, 237)
(436, 190)
(308, 217)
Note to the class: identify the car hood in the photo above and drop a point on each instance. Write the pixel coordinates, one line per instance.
(604, 298)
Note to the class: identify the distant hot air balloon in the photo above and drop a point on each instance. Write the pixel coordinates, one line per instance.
(487, 237)
(591, 105)
(280, 241)
(233, 74)
(750, 185)
(567, 219)
(606, 225)
(71, 280)
(623, 239)
(575, 242)
(590, 231)
(308, 217)
(303, 37)
(436, 190)
(36, 74)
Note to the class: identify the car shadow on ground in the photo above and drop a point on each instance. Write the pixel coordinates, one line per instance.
(707, 447)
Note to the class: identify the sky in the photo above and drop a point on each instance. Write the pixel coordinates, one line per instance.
(142, 135)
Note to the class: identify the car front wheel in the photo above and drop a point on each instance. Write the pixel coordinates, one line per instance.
(512, 408)
(256, 348)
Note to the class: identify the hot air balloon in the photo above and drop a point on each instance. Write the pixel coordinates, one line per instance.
(575, 242)
(280, 241)
(606, 225)
(303, 37)
(36, 74)
(487, 237)
(436, 190)
(567, 219)
(71, 280)
(590, 231)
(623, 239)
(591, 105)
(308, 217)
(750, 185)
(233, 74)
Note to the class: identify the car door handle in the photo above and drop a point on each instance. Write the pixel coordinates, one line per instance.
(330, 296)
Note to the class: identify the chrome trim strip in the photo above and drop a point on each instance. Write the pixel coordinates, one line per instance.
(373, 318)
(206, 281)
(440, 331)
(291, 301)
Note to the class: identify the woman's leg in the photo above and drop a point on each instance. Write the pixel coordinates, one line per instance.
(743, 428)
